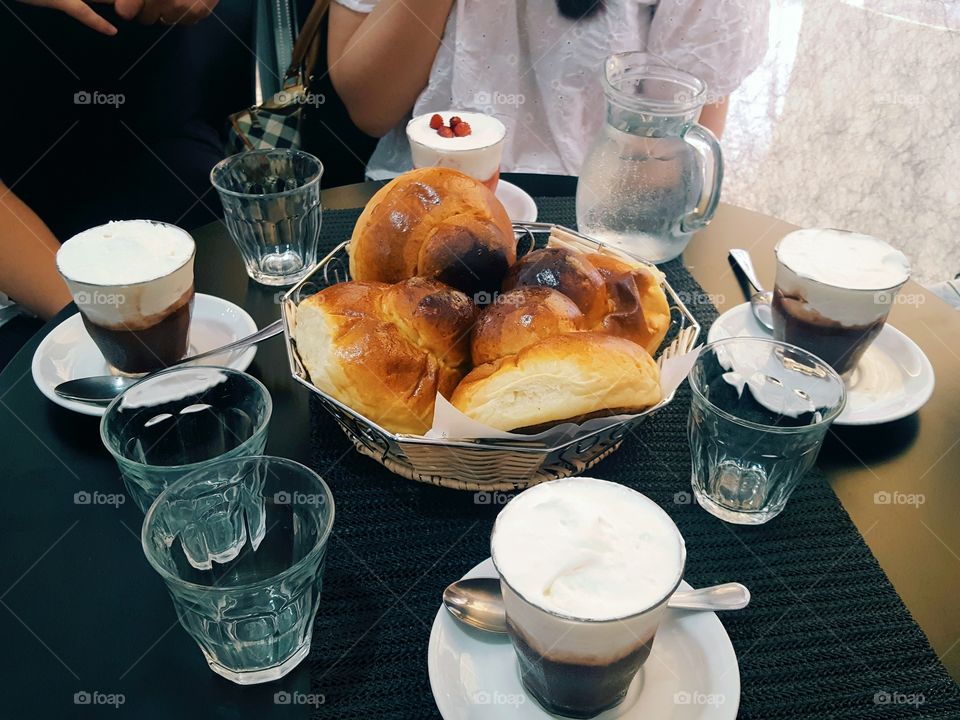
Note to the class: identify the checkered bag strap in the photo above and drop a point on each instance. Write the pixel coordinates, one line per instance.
(275, 123)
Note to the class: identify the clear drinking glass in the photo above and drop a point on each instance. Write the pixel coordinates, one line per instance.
(652, 176)
(579, 667)
(180, 420)
(240, 544)
(758, 415)
(271, 204)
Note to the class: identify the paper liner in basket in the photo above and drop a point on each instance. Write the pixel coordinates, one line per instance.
(451, 424)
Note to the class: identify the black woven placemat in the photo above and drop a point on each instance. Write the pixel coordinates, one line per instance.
(826, 635)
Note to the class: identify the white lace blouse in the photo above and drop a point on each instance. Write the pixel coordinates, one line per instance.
(539, 72)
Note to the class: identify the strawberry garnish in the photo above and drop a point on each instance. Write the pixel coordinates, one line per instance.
(462, 129)
(436, 122)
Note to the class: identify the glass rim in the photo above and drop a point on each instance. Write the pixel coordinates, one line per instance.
(775, 429)
(600, 621)
(292, 152)
(653, 70)
(178, 268)
(318, 547)
(891, 288)
(189, 467)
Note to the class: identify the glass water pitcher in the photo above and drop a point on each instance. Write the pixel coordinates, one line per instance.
(652, 176)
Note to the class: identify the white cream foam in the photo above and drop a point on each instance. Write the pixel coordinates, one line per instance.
(588, 549)
(476, 154)
(124, 252)
(840, 275)
(843, 259)
(128, 271)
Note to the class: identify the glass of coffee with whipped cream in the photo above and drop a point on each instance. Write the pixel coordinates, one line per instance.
(586, 569)
(833, 292)
(470, 142)
(133, 283)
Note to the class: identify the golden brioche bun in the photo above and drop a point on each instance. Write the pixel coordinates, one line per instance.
(567, 271)
(563, 377)
(637, 306)
(434, 222)
(385, 351)
(520, 318)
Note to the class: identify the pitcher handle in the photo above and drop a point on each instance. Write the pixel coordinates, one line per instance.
(705, 143)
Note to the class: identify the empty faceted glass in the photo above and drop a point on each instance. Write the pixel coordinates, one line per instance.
(241, 546)
(758, 415)
(271, 204)
(174, 422)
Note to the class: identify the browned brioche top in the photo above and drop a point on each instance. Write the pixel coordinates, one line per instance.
(385, 351)
(435, 222)
(637, 306)
(433, 316)
(521, 317)
(564, 270)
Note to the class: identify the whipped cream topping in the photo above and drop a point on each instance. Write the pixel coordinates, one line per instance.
(128, 274)
(588, 549)
(124, 252)
(476, 154)
(485, 131)
(840, 276)
(843, 259)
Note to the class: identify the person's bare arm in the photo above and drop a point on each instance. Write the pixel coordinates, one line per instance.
(28, 250)
(380, 62)
(714, 116)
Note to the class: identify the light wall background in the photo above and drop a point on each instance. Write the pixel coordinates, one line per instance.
(853, 121)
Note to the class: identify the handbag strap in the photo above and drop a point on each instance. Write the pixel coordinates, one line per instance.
(307, 47)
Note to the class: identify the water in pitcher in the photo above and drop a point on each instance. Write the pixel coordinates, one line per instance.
(635, 190)
(652, 176)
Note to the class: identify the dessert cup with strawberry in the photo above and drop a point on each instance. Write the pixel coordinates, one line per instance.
(466, 141)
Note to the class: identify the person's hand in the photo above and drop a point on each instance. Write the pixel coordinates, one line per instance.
(79, 10)
(168, 12)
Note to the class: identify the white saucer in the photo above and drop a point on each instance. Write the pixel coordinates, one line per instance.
(68, 352)
(519, 205)
(894, 378)
(691, 673)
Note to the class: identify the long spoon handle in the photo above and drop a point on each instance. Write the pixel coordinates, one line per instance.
(742, 259)
(268, 331)
(729, 596)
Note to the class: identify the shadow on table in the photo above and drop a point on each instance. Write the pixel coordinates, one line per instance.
(855, 445)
